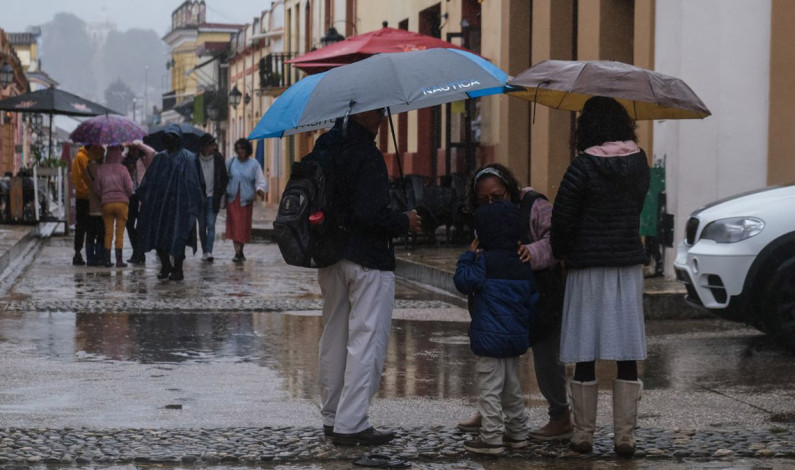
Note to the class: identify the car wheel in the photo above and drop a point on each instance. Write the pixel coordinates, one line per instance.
(779, 308)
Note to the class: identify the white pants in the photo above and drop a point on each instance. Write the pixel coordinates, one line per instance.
(357, 315)
(501, 394)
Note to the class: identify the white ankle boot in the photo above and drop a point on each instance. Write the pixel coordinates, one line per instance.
(626, 395)
(584, 397)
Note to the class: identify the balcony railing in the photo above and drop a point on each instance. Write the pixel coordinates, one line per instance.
(169, 100)
(274, 73)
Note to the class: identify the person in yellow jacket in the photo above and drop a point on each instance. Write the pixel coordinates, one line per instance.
(82, 190)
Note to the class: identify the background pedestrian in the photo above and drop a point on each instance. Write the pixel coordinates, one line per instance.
(114, 186)
(139, 157)
(245, 182)
(215, 181)
(95, 229)
(82, 187)
(172, 192)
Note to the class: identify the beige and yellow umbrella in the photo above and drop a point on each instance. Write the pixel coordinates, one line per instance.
(646, 94)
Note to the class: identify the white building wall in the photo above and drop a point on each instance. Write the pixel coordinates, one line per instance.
(721, 48)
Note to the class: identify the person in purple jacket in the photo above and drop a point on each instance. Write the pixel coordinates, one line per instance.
(114, 186)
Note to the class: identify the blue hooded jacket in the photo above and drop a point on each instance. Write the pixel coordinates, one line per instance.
(501, 290)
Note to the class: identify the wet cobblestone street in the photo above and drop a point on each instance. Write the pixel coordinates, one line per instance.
(107, 367)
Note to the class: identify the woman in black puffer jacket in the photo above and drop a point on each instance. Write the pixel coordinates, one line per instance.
(595, 231)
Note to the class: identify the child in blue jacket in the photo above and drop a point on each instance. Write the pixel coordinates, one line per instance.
(502, 298)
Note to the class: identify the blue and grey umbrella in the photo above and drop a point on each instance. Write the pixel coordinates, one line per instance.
(401, 81)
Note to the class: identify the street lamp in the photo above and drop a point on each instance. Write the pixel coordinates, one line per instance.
(331, 37)
(234, 97)
(212, 111)
(36, 120)
(6, 75)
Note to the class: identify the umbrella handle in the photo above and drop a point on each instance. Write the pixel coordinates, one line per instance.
(345, 118)
(535, 98)
(397, 156)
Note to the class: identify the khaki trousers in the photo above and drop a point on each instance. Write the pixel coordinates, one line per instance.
(114, 211)
(500, 393)
(357, 315)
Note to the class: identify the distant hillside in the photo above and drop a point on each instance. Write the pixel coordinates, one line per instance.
(86, 62)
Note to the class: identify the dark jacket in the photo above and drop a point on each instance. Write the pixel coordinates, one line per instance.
(220, 180)
(502, 293)
(596, 216)
(362, 189)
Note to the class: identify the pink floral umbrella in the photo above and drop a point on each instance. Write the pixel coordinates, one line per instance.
(107, 130)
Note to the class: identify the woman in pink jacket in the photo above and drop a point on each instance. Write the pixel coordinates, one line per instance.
(114, 186)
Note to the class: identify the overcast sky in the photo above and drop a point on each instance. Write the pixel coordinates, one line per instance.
(17, 15)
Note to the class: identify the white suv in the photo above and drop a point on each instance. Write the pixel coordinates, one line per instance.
(738, 260)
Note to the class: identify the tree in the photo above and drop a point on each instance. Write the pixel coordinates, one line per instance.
(119, 96)
(68, 54)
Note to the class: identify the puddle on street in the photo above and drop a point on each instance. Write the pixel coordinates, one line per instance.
(428, 359)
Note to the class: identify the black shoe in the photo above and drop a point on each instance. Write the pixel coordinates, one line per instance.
(237, 259)
(78, 260)
(368, 437)
(328, 431)
(176, 275)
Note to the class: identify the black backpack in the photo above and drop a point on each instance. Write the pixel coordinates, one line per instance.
(309, 227)
(550, 283)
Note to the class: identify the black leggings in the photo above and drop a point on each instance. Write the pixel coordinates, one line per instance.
(586, 371)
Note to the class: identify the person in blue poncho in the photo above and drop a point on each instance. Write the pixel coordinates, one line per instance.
(171, 195)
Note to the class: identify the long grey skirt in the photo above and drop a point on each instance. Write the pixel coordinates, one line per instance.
(603, 315)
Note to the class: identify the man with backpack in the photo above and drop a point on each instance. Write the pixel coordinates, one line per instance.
(359, 289)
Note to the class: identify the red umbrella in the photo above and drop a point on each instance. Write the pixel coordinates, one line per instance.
(356, 48)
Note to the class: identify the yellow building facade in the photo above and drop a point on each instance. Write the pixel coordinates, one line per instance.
(514, 34)
(190, 32)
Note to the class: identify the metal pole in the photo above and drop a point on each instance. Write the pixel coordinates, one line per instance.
(146, 95)
(35, 194)
(49, 152)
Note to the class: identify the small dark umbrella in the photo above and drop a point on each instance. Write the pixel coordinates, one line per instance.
(190, 137)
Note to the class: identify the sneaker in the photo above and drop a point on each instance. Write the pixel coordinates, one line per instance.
(210, 258)
(471, 425)
(558, 429)
(204, 256)
(368, 437)
(479, 447)
(78, 260)
(514, 443)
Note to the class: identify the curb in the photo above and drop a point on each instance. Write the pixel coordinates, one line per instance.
(657, 304)
(18, 239)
